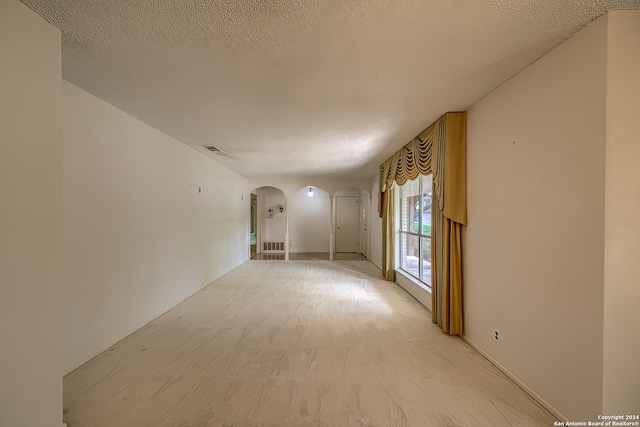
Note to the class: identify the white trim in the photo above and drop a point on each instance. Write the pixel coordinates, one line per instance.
(410, 284)
(524, 386)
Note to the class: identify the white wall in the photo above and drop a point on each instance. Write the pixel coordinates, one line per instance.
(622, 217)
(30, 220)
(348, 192)
(274, 229)
(289, 184)
(309, 221)
(534, 246)
(148, 221)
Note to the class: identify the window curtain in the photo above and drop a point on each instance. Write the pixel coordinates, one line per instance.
(439, 150)
(388, 241)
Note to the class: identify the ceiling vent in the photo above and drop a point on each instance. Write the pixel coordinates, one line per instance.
(214, 149)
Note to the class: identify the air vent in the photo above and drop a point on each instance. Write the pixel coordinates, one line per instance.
(273, 246)
(214, 149)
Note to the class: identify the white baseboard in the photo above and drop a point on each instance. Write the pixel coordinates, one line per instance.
(531, 392)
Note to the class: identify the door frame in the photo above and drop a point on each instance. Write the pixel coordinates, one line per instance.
(356, 209)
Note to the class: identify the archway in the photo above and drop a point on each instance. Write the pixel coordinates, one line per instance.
(268, 223)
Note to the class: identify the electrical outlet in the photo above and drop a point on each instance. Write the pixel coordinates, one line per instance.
(496, 335)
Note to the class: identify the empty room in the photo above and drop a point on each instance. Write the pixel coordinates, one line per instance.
(319, 213)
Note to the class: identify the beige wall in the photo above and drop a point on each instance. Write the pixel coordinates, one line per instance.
(309, 221)
(273, 229)
(148, 221)
(289, 184)
(30, 220)
(622, 217)
(534, 246)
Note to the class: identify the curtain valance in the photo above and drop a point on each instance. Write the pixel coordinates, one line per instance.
(439, 150)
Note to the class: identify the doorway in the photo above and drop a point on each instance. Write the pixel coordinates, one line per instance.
(346, 233)
(253, 231)
(363, 212)
(268, 223)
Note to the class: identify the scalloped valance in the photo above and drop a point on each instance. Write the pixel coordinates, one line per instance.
(445, 141)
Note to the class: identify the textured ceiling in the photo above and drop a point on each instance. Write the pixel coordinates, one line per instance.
(304, 87)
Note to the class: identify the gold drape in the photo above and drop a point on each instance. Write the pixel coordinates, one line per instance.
(440, 150)
(387, 239)
(446, 272)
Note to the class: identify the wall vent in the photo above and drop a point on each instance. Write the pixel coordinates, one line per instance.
(273, 246)
(214, 149)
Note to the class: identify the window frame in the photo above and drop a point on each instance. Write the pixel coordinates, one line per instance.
(405, 229)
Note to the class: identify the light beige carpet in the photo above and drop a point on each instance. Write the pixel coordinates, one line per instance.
(298, 343)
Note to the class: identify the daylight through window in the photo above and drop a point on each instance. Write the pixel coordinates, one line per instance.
(413, 207)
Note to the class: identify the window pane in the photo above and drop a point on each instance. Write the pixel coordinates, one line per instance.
(413, 204)
(426, 181)
(409, 216)
(406, 215)
(409, 194)
(410, 188)
(410, 254)
(426, 260)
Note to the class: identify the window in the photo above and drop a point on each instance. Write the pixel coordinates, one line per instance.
(413, 206)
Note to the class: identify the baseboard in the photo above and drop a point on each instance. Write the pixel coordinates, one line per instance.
(531, 392)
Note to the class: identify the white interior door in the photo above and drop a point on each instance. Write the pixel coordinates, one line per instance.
(346, 224)
(363, 243)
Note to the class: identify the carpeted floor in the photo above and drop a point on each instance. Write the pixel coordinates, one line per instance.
(297, 343)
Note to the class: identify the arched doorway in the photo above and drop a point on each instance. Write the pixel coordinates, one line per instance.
(268, 223)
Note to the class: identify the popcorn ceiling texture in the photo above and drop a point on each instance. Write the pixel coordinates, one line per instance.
(198, 24)
(95, 25)
(325, 87)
